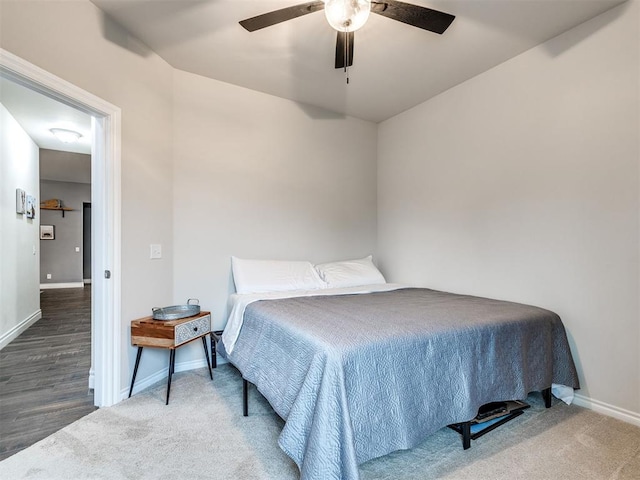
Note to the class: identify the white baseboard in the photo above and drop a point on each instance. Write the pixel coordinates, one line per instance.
(606, 409)
(18, 329)
(142, 383)
(86, 281)
(45, 286)
(222, 361)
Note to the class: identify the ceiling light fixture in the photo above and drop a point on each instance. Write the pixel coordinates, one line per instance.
(66, 136)
(347, 15)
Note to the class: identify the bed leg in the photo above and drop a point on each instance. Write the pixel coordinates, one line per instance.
(245, 398)
(546, 394)
(466, 435)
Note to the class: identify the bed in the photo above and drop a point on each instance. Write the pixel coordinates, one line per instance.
(358, 372)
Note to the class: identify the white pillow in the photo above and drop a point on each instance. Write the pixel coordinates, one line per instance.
(350, 273)
(257, 276)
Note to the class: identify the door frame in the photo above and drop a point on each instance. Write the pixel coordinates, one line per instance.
(106, 325)
(86, 248)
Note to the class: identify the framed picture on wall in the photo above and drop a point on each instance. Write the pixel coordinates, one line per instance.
(21, 200)
(31, 206)
(47, 232)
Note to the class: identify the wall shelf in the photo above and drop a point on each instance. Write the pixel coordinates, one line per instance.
(54, 204)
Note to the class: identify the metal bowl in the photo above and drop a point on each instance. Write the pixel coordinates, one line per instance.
(176, 312)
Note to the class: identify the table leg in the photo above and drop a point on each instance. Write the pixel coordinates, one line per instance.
(206, 354)
(172, 363)
(214, 356)
(135, 370)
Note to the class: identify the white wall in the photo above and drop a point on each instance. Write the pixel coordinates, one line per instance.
(58, 257)
(64, 176)
(65, 166)
(19, 250)
(77, 42)
(522, 184)
(257, 176)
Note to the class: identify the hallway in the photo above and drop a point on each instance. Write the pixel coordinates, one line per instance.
(44, 372)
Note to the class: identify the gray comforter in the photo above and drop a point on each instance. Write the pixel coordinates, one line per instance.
(358, 376)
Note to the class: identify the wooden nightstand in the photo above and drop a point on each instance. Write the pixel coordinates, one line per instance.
(170, 334)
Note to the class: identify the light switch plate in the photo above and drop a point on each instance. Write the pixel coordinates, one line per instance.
(155, 250)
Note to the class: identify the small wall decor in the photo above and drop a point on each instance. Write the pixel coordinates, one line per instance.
(47, 232)
(21, 199)
(31, 206)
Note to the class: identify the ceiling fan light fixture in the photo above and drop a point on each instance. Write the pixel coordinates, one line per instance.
(66, 136)
(347, 15)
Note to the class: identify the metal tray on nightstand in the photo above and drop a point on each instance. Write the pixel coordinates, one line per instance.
(176, 312)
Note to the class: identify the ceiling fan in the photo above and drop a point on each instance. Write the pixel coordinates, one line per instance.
(346, 16)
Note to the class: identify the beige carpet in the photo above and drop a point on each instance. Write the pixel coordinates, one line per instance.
(202, 434)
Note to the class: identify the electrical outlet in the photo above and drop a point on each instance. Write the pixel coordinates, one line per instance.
(77, 249)
(48, 276)
(155, 250)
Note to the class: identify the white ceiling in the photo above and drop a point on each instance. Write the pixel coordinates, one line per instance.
(37, 114)
(396, 66)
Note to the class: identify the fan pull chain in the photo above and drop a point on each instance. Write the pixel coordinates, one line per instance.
(346, 56)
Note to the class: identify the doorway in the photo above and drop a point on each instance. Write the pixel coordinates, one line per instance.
(105, 372)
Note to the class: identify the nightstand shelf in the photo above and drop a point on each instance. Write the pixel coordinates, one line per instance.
(171, 334)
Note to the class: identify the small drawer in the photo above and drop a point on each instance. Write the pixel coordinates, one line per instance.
(193, 329)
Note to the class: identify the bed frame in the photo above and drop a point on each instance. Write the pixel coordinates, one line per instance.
(463, 428)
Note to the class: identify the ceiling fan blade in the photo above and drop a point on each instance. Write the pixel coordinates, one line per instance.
(421, 17)
(278, 16)
(344, 48)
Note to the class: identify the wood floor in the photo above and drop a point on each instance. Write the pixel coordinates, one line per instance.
(44, 373)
